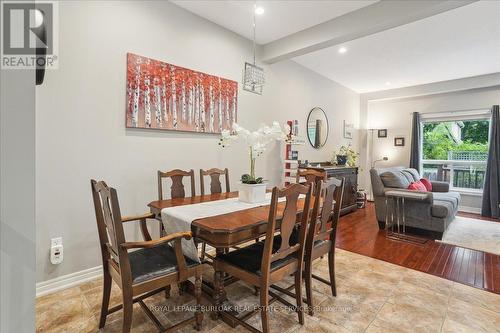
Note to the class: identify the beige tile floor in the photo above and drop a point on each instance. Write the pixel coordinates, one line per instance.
(373, 296)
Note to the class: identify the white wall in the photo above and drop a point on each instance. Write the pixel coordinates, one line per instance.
(81, 116)
(17, 201)
(395, 115)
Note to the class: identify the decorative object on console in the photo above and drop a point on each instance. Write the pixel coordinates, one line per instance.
(345, 155)
(253, 76)
(382, 133)
(317, 127)
(253, 189)
(348, 129)
(341, 160)
(168, 97)
(399, 141)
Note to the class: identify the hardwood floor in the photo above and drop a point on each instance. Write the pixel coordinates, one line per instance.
(358, 232)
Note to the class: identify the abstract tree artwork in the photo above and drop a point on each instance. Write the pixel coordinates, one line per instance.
(168, 97)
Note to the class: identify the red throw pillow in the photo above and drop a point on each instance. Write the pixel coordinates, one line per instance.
(417, 186)
(427, 184)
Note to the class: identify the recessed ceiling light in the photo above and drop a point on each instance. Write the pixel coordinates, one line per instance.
(387, 83)
(259, 10)
(342, 50)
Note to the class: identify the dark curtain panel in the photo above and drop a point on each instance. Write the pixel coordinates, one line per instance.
(491, 193)
(415, 142)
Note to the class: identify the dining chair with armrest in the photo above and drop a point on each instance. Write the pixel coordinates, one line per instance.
(264, 263)
(144, 272)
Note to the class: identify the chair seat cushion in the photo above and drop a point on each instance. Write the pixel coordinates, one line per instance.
(150, 263)
(249, 258)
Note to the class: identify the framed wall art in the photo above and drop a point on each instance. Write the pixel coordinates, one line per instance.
(168, 97)
(399, 141)
(382, 133)
(348, 129)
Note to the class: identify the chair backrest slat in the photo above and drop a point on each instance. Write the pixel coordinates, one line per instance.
(177, 189)
(311, 176)
(215, 183)
(108, 216)
(326, 209)
(288, 222)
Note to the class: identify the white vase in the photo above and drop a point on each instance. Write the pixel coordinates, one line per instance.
(252, 193)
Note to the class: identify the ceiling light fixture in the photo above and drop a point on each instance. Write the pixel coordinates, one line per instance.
(253, 76)
(259, 10)
(387, 83)
(342, 50)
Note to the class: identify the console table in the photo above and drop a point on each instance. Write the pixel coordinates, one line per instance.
(350, 175)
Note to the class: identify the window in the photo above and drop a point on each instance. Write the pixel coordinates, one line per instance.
(455, 150)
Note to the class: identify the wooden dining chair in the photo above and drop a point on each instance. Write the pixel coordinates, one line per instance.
(215, 183)
(177, 188)
(215, 187)
(143, 272)
(264, 263)
(311, 176)
(322, 234)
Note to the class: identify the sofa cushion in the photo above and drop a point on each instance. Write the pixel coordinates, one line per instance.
(413, 173)
(408, 176)
(445, 204)
(441, 209)
(427, 184)
(417, 186)
(394, 179)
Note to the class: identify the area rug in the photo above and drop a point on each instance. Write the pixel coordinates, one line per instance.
(474, 234)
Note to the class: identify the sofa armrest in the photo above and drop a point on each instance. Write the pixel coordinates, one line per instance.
(424, 197)
(438, 186)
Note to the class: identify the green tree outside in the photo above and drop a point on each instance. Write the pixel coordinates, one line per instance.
(438, 138)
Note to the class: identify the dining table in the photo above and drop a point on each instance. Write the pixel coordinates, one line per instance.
(224, 231)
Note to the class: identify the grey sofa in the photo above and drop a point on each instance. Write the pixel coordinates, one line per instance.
(434, 213)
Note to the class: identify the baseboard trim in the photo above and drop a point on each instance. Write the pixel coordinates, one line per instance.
(466, 209)
(67, 281)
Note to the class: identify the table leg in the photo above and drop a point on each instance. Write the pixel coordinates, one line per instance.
(398, 215)
(404, 221)
(386, 214)
(219, 295)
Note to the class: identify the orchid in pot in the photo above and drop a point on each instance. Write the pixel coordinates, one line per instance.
(253, 188)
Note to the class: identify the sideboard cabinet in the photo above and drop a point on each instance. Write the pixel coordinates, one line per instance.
(350, 175)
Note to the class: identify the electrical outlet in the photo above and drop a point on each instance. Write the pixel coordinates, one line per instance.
(56, 241)
(56, 251)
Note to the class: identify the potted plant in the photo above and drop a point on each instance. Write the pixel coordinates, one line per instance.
(253, 188)
(345, 155)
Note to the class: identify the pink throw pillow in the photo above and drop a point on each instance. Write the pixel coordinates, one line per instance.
(427, 184)
(417, 186)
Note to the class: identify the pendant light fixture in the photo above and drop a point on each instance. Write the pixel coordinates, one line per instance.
(253, 76)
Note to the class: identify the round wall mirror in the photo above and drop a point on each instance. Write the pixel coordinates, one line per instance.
(317, 127)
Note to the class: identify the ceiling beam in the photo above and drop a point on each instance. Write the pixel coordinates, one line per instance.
(486, 81)
(366, 21)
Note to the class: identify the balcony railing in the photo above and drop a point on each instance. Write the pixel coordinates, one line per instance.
(459, 174)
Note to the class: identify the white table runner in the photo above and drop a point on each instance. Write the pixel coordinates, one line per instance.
(179, 219)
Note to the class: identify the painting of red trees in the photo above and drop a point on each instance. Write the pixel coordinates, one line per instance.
(164, 96)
